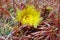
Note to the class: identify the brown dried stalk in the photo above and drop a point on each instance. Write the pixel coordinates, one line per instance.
(5, 11)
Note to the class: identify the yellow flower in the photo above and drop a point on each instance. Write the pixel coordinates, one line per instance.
(29, 16)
